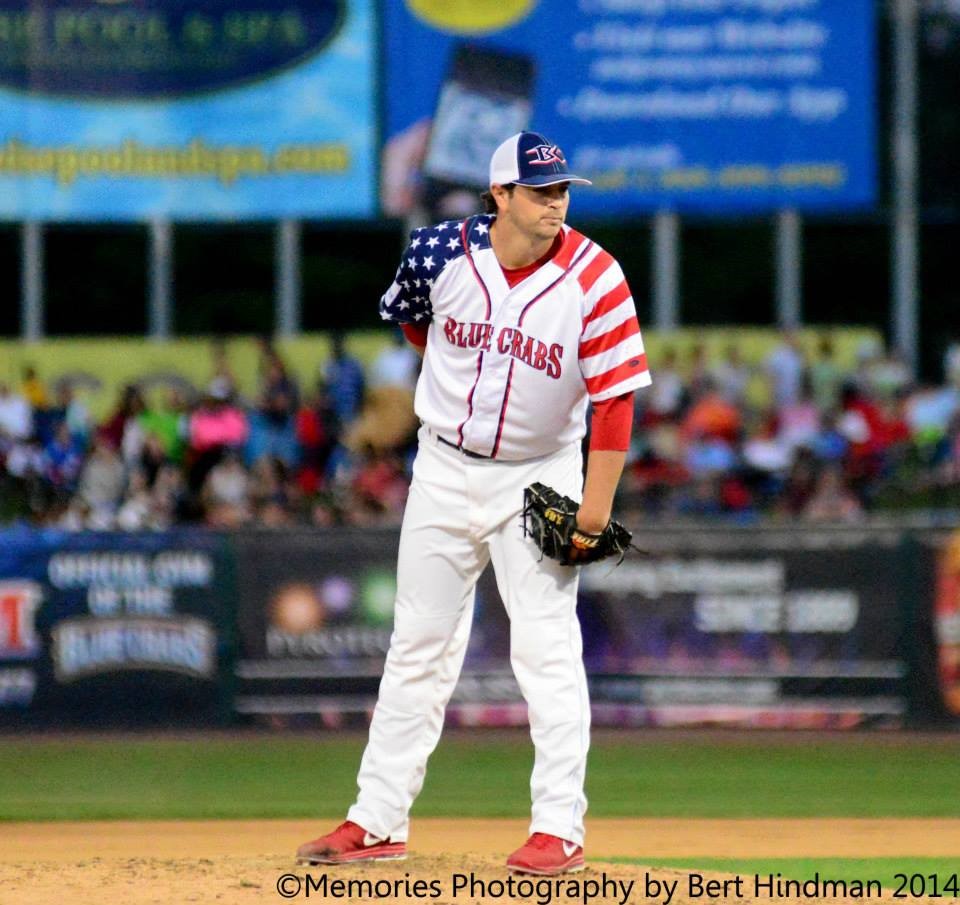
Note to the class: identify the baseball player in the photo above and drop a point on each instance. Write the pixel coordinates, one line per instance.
(522, 321)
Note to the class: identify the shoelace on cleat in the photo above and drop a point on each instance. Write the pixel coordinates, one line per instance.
(540, 840)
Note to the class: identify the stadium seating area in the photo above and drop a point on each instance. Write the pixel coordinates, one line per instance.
(800, 432)
(829, 443)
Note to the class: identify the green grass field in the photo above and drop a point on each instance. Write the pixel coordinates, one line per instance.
(477, 775)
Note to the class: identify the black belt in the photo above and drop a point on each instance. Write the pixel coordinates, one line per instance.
(467, 452)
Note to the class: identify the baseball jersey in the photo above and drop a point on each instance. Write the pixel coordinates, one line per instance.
(508, 372)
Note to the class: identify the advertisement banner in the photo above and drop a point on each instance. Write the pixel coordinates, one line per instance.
(188, 110)
(797, 628)
(945, 620)
(712, 106)
(794, 629)
(115, 629)
(315, 613)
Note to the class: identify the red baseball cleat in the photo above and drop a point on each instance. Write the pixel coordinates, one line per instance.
(349, 843)
(546, 855)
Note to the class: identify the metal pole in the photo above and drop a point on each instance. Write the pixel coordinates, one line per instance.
(789, 291)
(32, 326)
(904, 145)
(666, 270)
(288, 281)
(161, 279)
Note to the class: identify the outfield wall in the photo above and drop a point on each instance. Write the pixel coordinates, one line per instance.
(788, 627)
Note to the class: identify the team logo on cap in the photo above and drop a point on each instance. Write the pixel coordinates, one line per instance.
(545, 155)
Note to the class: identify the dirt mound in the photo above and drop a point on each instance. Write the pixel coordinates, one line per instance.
(238, 862)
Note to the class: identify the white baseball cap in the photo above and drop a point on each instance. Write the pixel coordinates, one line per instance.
(528, 158)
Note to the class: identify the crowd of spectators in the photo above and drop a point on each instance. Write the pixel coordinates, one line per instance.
(337, 452)
(795, 435)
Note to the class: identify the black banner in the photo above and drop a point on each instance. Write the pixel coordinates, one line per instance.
(315, 617)
(796, 628)
(792, 628)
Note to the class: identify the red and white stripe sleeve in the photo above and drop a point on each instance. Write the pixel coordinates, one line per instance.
(612, 357)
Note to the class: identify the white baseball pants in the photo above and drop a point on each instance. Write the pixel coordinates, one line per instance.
(462, 513)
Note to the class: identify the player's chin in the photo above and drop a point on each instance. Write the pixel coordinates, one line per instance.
(550, 227)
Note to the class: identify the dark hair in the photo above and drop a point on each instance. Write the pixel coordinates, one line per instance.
(489, 202)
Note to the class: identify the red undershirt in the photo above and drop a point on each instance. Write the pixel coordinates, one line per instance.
(519, 274)
(612, 419)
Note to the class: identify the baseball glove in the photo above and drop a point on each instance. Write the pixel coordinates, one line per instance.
(551, 520)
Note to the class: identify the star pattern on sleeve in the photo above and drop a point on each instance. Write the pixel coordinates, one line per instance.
(430, 249)
(478, 234)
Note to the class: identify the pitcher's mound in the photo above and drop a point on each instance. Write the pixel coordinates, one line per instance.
(439, 880)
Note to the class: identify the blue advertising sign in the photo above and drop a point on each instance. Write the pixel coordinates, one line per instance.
(111, 627)
(187, 109)
(712, 106)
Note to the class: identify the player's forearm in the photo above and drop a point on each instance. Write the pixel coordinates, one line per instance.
(604, 468)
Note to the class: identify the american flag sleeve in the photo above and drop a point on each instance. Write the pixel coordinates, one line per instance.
(612, 357)
(407, 301)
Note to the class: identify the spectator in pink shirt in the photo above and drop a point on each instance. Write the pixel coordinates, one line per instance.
(217, 425)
